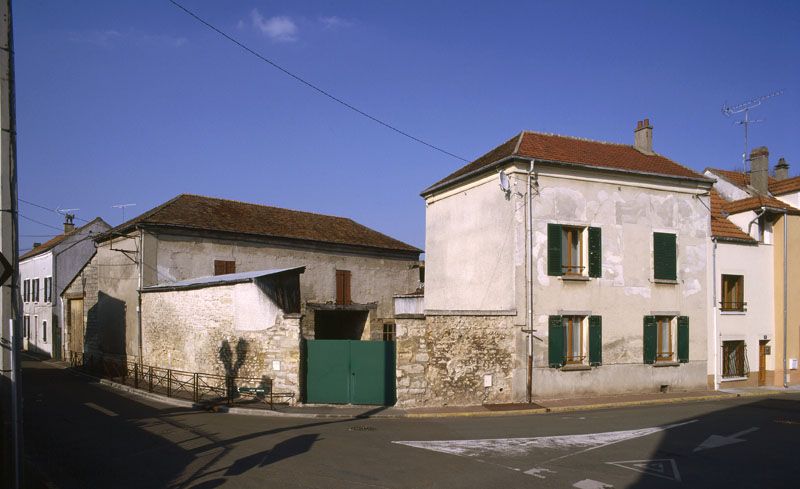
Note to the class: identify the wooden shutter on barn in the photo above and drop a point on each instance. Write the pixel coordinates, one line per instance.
(664, 256)
(595, 253)
(554, 250)
(343, 287)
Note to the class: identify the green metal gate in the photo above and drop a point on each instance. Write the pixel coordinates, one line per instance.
(350, 372)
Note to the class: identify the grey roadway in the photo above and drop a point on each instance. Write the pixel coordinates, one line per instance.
(81, 434)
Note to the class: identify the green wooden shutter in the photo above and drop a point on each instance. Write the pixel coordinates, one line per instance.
(555, 344)
(683, 339)
(554, 250)
(664, 256)
(650, 339)
(595, 340)
(595, 253)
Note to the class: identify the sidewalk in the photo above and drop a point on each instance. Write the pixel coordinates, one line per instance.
(539, 406)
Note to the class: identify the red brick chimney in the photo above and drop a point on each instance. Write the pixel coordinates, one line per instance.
(643, 137)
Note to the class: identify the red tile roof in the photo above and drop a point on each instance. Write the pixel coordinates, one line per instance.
(721, 227)
(570, 150)
(742, 180)
(757, 202)
(201, 213)
(53, 242)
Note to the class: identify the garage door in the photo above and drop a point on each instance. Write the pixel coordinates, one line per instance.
(350, 372)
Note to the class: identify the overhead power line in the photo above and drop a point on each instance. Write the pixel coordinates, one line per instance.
(40, 223)
(48, 208)
(311, 85)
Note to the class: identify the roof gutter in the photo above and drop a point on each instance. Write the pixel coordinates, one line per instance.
(583, 166)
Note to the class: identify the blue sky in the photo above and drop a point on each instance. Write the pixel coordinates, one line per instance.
(135, 102)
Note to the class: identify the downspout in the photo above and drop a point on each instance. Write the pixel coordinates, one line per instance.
(529, 254)
(714, 306)
(785, 296)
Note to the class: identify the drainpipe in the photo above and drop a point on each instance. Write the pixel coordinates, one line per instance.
(785, 296)
(529, 253)
(714, 306)
(139, 295)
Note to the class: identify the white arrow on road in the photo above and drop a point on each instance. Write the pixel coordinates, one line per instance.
(715, 441)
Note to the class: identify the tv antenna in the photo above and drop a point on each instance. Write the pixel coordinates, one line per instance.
(67, 212)
(122, 206)
(745, 107)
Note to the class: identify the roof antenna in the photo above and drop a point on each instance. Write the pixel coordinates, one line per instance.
(122, 206)
(745, 107)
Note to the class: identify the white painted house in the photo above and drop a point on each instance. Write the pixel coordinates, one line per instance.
(558, 266)
(44, 273)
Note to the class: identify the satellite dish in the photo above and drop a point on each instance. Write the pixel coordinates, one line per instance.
(504, 183)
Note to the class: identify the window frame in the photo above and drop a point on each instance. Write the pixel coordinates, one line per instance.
(734, 292)
(227, 267)
(344, 287)
(26, 326)
(659, 273)
(568, 233)
(48, 289)
(389, 332)
(568, 323)
(668, 322)
(35, 290)
(740, 351)
(26, 290)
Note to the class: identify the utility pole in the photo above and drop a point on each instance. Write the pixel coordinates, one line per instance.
(9, 262)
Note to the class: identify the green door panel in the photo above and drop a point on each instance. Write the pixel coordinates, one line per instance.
(328, 371)
(350, 372)
(372, 372)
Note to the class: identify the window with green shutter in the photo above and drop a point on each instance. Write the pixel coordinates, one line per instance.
(555, 343)
(595, 253)
(665, 257)
(595, 340)
(683, 339)
(554, 250)
(650, 339)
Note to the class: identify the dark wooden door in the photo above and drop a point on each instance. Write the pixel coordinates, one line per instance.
(762, 362)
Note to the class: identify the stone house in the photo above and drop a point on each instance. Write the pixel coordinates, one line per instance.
(559, 266)
(351, 271)
(45, 271)
(754, 219)
(243, 324)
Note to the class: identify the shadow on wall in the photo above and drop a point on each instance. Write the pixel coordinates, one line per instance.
(232, 365)
(105, 326)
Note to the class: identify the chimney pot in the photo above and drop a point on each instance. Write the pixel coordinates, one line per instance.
(759, 170)
(782, 169)
(69, 226)
(643, 137)
(36, 245)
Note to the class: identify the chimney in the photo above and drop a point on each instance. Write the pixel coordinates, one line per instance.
(36, 245)
(69, 226)
(643, 137)
(782, 169)
(759, 170)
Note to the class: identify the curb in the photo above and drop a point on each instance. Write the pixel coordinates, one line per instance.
(413, 415)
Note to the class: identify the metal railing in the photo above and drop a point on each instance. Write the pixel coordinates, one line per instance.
(191, 386)
(733, 306)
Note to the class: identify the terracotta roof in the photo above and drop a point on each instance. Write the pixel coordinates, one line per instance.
(786, 186)
(757, 202)
(565, 149)
(53, 242)
(722, 227)
(201, 213)
(742, 180)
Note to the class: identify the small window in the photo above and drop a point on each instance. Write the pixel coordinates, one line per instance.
(733, 293)
(343, 287)
(48, 289)
(388, 332)
(573, 339)
(734, 359)
(664, 349)
(26, 290)
(35, 289)
(224, 267)
(26, 326)
(665, 257)
(44, 331)
(567, 253)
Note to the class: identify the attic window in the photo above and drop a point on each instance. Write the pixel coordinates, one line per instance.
(224, 267)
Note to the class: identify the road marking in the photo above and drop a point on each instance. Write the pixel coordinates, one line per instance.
(715, 441)
(665, 468)
(539, 471)
(591, 484)
(513, 447)
(103, 410)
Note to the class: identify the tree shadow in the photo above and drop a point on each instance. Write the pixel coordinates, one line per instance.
(281, 451)
(231, 365)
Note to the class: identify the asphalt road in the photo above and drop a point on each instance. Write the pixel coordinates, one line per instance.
(81, 434)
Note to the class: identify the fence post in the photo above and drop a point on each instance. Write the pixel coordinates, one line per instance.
(150, 379)
(196, 394)
(229, 388)
(135, 375)
(169, 383)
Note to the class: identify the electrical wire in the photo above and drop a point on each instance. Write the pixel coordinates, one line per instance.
(39, 222)
(311, 85)
(48, 209)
